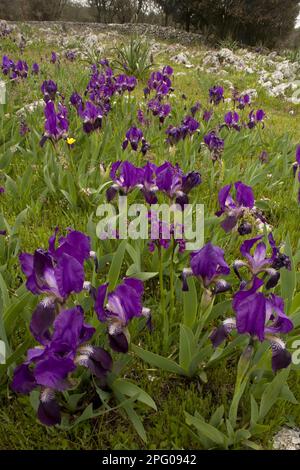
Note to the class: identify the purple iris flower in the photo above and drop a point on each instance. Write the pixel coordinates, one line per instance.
(215, 145)
(216, 95)
(7, 65)
(101, 87)
(160, 83)
(260, 317)
(125, 83)
(118, 308)
(104, 62)
(255, 252)
(20, 70)
(256, 117)
(241, 100)
(63, 347)
(190, 124)
(264, 157)
(231, 120)
(149, 187)
(167, 71)
(135, 136)
(188, 127)
(279, 260)
(2, 190)
(195, 108)
(54, 57)
(71, 56)
(125, 177)
(56, 123)
(234, 209)
(207, 115)
(35, 69)
(92, 117)
(158, 109)
(209, 265)
(141, 118)
(76, 100)
(49, 90)
(59, 271)
(244, 101)
(172, 181)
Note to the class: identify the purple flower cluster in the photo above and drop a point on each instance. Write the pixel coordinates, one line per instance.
(188, 127)
(62, 334)
(167, 178)
(160, 83)
(14, 70)
(103, 84)
(259, 315)
(63, 347)
(159, 109)
(241, 100)
(231, 120)
(58, 271)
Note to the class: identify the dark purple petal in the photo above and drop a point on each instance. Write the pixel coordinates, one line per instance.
(52, 372)
(281, 358)
(49, 413)
(209, 263)
(119, 343)
(23, 380)
(69, 275)
(250, 308)
(100, 362)
(281, 323)
(41, 321)
(99, 303)
(244, 195)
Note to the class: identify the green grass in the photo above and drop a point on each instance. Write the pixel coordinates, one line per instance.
(273, 183)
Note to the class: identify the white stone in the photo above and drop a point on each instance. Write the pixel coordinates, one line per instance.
(287, 439)
(181, 59)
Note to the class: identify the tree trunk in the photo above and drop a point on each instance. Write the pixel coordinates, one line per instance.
(187, 22)
(166, 19)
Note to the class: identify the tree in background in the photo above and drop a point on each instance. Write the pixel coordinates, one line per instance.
(248, 21)
(45, 10)
(103, 9)
(167, 6)
(39, 10)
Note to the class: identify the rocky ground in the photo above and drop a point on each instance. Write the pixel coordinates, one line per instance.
(277, 75)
